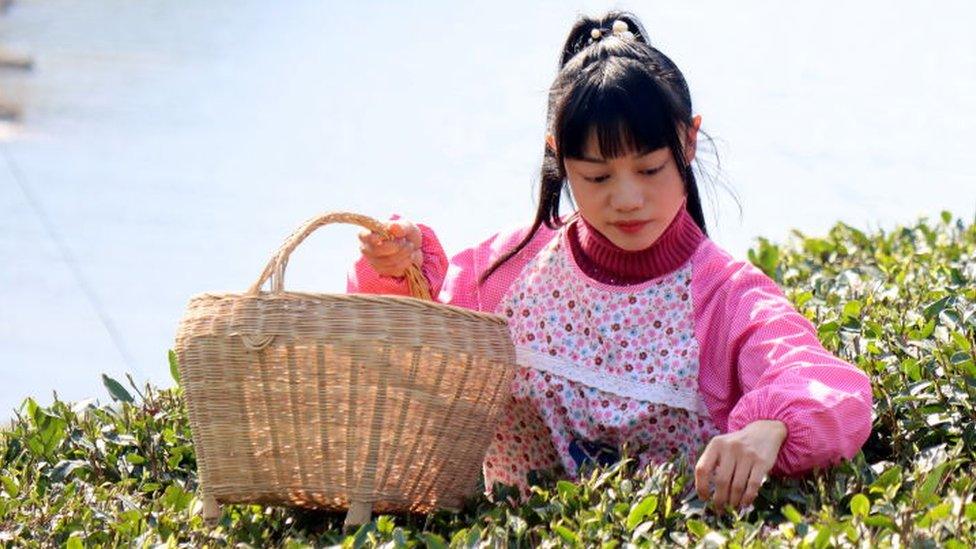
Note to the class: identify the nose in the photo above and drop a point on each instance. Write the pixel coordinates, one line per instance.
(627, 195)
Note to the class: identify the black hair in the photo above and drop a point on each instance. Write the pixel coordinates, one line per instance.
(629, 93)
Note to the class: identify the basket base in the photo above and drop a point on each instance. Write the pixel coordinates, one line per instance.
(359, 513)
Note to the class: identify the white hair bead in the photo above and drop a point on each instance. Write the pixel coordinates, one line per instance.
(620, 27)
(595, 33)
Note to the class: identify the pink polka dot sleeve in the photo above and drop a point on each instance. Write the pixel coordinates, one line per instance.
(761, 359)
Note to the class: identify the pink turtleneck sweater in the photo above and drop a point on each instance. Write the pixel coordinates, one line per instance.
(759, 358)
(604, 261)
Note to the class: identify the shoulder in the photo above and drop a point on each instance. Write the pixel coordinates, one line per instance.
(468, 266)
(507, 239)
(717, 275)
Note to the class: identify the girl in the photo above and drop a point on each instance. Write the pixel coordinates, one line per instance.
(631, 326)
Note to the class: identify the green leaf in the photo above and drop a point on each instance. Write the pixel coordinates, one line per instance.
(860, 505)
(823, 537)
(853, 309)
(911, 369)
(116, 390)
(566, 534)
(176, 498)
(926, 491)
(646, 506)
(51, 430)
(135, 459)
(10, 485)
(65, 467)
(174, 366)
(385, 524)
(935, 514)
(936, 307)
(567, 490)
(880, 521)
(456, 540)
(970, 511)
(946, 216)
(802, 298)
(828, 328)
(926, 330)
(791, 514)
(74, 542)
(961, 341)
(361, 536)
(697, 527)
(434, 541)
(474, 536)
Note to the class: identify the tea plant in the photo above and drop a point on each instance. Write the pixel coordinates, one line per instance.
(901, 305)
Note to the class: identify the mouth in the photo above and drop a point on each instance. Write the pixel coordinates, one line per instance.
(630, 226)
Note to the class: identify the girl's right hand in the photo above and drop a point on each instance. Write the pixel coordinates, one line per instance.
(392, 257)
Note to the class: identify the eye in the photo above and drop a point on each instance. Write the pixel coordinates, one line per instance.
(597, 179)
(653, 171)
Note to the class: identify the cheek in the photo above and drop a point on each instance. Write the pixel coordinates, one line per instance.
(675, 185)
(585, 195)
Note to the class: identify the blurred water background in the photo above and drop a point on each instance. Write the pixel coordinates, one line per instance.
(166, 148)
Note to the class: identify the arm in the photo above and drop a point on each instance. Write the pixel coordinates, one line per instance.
(785, 374)
(462, 288)
(456, 282)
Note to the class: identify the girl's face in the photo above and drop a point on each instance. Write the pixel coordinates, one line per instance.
(630, 199)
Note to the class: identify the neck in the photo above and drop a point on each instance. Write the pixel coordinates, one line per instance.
(606, 262)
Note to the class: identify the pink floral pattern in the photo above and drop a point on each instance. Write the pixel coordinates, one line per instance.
(640, 336)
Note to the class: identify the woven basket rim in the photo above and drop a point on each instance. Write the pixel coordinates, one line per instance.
(422, 304)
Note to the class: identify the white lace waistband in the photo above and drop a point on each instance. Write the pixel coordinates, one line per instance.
(656, 393)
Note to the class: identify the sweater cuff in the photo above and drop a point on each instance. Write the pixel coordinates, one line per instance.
(760, 405)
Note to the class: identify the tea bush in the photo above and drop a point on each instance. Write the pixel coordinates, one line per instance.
(901, 305)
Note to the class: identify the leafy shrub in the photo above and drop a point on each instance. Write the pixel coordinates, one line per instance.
(901, 305)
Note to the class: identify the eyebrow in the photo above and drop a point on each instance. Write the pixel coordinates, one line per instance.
(603, 161)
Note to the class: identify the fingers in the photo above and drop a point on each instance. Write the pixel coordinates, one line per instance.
(374, 245)
(405, 230)
(723, 481)
(396, 229)
(389, 256)
(395, 264)
(756, 478)
(703, 471)
(737, 487)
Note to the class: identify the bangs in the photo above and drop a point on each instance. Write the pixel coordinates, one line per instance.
(623, 107)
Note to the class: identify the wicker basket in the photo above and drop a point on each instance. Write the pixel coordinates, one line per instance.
(343, 402)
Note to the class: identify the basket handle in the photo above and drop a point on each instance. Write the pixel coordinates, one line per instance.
(275, 269)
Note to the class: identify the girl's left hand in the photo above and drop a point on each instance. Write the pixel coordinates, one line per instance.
(737, 463)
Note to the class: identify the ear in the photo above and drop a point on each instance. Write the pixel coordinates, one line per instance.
(691, 139)
(551, 142)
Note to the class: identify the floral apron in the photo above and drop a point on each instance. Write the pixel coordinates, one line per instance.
(599, 367)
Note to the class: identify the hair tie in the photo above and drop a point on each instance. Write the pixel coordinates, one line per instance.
(620, 29)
